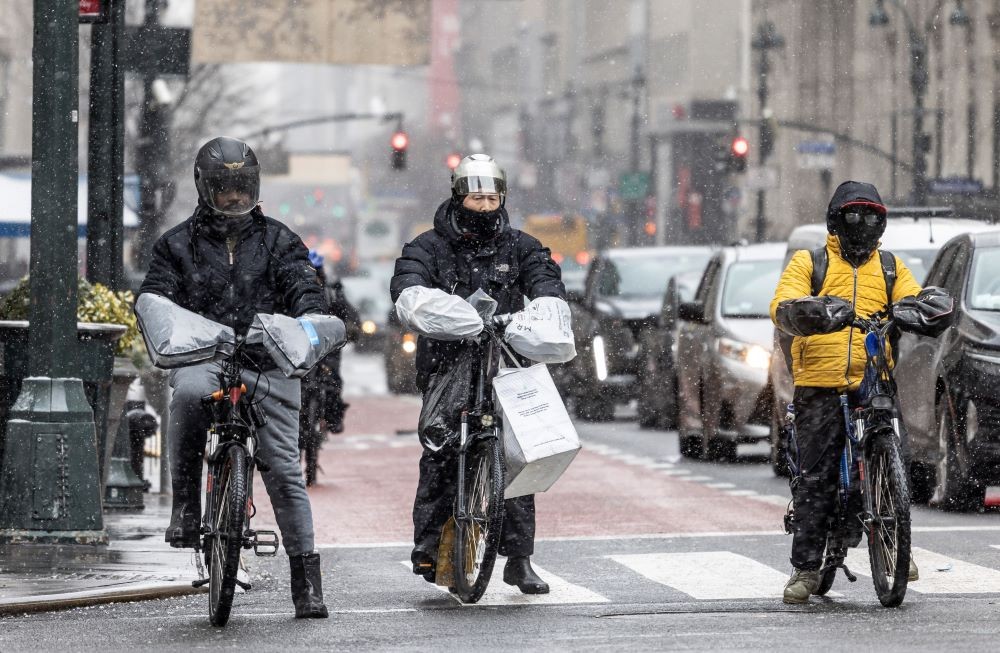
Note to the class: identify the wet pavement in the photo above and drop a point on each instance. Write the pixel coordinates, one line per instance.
(136, 565)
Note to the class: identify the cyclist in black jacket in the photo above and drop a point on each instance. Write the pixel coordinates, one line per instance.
(228, 262)
(472, 246)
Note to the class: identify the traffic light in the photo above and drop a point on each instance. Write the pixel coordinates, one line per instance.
(738, 151)
(453, 160)
(399, 143)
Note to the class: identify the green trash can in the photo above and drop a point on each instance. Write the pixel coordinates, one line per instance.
(95, 360)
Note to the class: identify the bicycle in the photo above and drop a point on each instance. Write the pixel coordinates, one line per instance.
(229, 489)
(872, 455)
(479, 501)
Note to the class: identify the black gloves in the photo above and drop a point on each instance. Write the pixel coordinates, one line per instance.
(928, 314)
(809, 316)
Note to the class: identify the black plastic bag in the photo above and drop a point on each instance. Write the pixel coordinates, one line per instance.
(447, 395)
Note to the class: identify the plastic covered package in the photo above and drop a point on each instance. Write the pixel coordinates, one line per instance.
(297, 344)
(176, 337)
(436, 314)
(543, 331)
(446, 396)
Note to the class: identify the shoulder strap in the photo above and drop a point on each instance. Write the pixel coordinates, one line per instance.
(889, 272)
(820, 263)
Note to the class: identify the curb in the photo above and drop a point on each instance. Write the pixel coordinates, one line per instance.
(65, 601)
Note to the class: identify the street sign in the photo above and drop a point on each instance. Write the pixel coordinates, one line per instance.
(157, 50)
(633, 185)
(816, 155)
(94, 11)
(758, 178)
(955, 186)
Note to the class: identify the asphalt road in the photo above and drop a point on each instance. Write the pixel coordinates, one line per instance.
(644, 551)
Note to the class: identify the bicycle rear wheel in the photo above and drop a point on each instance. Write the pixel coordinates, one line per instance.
(477, 536)
(889, 533)
(225, 541)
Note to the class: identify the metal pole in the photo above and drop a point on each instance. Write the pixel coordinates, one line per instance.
(150, 158)
(918, 84)
(635, 207)
(105, 152)
(760, 231)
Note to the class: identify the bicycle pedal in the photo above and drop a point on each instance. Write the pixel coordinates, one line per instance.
(847, 572)
(200, 583)
(265, 543)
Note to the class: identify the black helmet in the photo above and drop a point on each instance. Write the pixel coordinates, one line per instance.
(226, 164)
(856, 216)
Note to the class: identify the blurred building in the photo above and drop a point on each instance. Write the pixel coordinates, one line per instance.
(843, 78)
(15, 84)
(574, 96)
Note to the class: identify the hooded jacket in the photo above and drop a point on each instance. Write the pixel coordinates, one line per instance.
(837, 360)
(508, 267)
(264, 268)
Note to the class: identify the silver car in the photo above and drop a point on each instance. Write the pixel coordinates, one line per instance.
(724, 350)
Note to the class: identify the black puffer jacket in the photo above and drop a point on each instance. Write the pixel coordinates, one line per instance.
(268, 271)
(509, 267)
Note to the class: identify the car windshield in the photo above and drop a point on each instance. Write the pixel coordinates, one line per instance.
(645, 276)
(749, 288)
(984, 283)
(917, 260)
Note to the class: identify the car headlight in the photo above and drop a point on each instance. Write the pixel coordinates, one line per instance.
(600, 361)
(751, 355)
(368, 327)
(409, 344)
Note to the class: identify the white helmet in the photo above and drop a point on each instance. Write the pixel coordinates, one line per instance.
(478, 173)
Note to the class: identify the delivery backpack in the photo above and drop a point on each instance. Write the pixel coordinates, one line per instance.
(820, 263)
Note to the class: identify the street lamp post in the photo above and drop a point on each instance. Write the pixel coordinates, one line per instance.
(767, 39)
(918, 85)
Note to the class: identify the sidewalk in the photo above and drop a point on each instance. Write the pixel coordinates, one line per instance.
(136, 565)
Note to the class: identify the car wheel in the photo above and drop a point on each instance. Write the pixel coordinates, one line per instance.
(594, 409)
(650, 416)
(779, 458)
(721, 450)
(691, 446)
(957, 488)
(668, 415)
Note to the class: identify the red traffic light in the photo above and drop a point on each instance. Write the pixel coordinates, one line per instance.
(399, 141)
(740, 146)
(453, 160)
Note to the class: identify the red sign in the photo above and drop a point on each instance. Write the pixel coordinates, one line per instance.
(94, 11)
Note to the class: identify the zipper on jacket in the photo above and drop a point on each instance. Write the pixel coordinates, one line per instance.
(850, 334)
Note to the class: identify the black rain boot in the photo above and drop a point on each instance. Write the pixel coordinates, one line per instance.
(518, 572)
(184, 531)
(307, 587)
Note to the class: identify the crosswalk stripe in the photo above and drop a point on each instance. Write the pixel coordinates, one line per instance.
(500, 593)
(939, 574)
(708, 574)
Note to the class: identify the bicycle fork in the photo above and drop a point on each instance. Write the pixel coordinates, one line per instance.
(463, 439)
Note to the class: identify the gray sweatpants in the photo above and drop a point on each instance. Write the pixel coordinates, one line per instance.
(277, 441)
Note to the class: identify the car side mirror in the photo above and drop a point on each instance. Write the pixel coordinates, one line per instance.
(691, 311)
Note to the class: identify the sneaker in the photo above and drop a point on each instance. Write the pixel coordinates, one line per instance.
(914, 572)
(800, 586)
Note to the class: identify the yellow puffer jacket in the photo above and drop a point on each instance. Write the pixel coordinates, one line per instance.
(822, 360)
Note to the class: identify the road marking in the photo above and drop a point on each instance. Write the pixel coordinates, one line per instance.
(675, 472)
(662, 466)
(742, 493)
(956, 577)
(720, 486)
(697, 479)
(708, 575)
(500, 593)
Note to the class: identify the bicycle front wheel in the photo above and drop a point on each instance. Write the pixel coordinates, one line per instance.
(889, 532)
(477, 535)
(229, 506)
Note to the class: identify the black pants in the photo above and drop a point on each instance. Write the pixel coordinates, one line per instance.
(435, 500)
(820, 434)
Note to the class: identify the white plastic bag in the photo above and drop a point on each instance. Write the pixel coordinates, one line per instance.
(436, 314)
(539, 438)
(543, 331)
(297, 344)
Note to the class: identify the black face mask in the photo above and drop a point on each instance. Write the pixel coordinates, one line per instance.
(225, 227)
(476, 225)
(859, 240)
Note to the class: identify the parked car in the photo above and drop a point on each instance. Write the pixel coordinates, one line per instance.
(949, 387)
(723, 351)
(657, 401)
(915, 236)
(400, 351)
(371, 297)
(622, 296)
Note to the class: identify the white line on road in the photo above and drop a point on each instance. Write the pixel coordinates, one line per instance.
(708, 575)
(741, 493)
(697, 479)
(939, 574)
(675, 472)
(500, 593)
(720, 486)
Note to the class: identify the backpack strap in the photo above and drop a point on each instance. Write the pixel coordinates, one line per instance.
(889, 272)
(820, 261)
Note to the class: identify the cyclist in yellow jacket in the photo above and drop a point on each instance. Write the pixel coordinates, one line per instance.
(827, 357)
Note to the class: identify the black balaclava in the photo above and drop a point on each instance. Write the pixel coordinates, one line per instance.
(475, 225)
(224, 227)
(858, 241)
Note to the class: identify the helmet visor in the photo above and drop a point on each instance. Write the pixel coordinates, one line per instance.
(480, 184)
(232, 192)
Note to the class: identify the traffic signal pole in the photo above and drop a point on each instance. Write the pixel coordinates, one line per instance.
(49, 483)
(766, 39)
